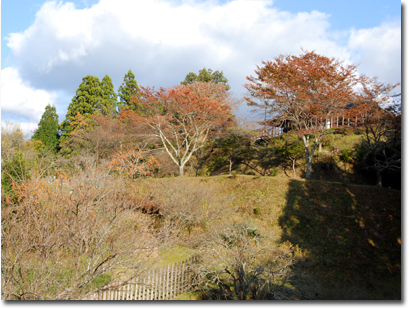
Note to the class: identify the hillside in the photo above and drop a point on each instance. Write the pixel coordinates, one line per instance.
(350, 235)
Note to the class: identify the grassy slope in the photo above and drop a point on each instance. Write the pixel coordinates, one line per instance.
(351, 233)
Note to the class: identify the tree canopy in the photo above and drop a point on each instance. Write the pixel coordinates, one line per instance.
(207, 76)
(184, 116)
(109, 97)
(87, 100)
(298, 90)
(47, 131)
(127, 90)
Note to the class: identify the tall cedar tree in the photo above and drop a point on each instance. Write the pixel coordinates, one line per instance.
(47, 131)
(87, 100)
(207, 76)
(300, 90)
(127, 90)
(109, 97)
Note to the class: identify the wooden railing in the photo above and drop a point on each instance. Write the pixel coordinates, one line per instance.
(164, 283)
(317, 122)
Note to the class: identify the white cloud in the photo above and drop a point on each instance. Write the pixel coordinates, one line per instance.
(378, 50)
(161, 41)
(18, 98)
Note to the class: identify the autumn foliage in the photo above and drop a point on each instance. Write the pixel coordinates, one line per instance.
(132, 164)
(62, 235)
(183, 117)
(303, 92)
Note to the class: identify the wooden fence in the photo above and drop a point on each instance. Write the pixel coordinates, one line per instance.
(164, 283)
(334, 121)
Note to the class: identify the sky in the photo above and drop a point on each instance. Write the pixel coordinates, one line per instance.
(47, 47)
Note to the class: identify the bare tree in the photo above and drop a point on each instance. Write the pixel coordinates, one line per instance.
(59, 237)
(191, 204)
(238, 261)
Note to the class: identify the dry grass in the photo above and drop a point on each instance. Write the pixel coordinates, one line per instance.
(350, 234)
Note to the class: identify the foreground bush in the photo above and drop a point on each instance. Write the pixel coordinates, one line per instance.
(239, 262)
(61, 240)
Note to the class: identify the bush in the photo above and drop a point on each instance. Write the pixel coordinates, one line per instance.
(240, 262)
(203, 173)
(189, 204)
(347, 155)
(328, 140)
(257, 211)
(273, 172)
(62, 237)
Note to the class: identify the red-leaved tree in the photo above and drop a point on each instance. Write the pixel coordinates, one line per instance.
(298, 90)
(183, 117)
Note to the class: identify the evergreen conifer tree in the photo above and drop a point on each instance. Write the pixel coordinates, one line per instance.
(109, 97)
(87, 100)
(47, 131)
(128, 88)
(206, 76)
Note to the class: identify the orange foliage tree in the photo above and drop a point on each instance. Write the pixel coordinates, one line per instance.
(297, 90)
(132, 164)
(183, 117)
(382, 125)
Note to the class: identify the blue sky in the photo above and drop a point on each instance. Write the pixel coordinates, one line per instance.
(47, 47)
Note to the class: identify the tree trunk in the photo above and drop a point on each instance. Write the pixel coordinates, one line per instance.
(231, 164)
(294, 168)
(309, 165)
(181, 167)
(378, 178)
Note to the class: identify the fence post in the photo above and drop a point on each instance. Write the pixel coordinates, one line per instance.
(184, 276)
(160, 284)
(153, 288)
(139, 288)
(177, 281)
(143, 287)
(172, 283)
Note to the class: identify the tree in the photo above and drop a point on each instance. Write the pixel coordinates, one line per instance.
(207, 76)
(381, 139)
(230, 146)
(127, 90)
(12, 140)
(183, 117)
(300, 91)
(290, 148)
(47, 131)
(63, 242)
(239, 261)
(109, 97)
(87, 101)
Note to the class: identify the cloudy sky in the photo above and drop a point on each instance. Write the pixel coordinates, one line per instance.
(48, 46)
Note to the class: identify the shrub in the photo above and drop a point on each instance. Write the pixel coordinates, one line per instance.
(257, 211)
(240, 262)
(62, 237)
(328, 140)
(347, 155)
(203, 173)
(273, 172)
(189, 204)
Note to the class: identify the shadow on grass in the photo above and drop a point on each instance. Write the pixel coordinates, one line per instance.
(352, 236)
